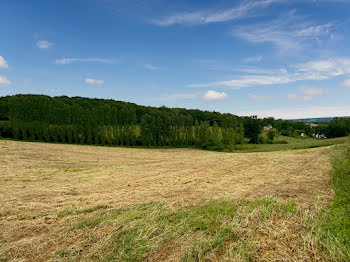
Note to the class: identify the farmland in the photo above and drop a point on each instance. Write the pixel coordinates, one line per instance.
(290, 143)
(175, 131)
(74, 202)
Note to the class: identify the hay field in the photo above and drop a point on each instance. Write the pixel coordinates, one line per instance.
(70, 202)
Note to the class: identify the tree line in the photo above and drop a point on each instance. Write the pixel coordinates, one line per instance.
(108, 122)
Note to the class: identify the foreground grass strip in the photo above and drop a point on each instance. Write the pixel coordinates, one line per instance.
(209, 232)
(334, 221)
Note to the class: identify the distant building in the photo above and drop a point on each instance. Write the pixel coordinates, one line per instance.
(268, 127)
(319, 136)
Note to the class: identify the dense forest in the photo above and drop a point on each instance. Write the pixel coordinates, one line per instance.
(108, 122)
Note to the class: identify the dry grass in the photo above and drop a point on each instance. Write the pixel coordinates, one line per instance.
(46, 189)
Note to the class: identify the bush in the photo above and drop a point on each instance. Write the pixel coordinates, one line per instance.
(216, 148)
(261, 140)
(284, 132)
(271, 134)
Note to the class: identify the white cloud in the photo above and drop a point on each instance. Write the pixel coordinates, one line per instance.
(44, 44)
(312, 70)
(214, 95)
(254, 59)
(92, 81)
(3, 62)
(209, 95)
(4, 81)
(312, 91)
(257, 98)
(294, 97)
(301, 112)
(65, 61)
(151, 67)
(287, 32)
(246, 9)
(346, 83)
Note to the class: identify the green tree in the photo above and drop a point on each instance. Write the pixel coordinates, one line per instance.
(241, 134)
(271, 134)
(252, 129)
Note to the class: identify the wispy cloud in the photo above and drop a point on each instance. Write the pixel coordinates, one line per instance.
(245, 81)
(92, 81)
(151, 67)
(3, 63)
(294, 97)
(4, 81)
(44, 44)
(312, 70)
(287, 32)
(323, 69)
(254, 59)
(246, 9)
(65, 61)
(256, 97)
(214, 95)
(346, 83)
(257, 70)
(216, 65)
(313, 91)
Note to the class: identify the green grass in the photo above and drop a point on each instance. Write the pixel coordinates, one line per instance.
(293, 143)
(268, 206)
(334, 221)
(212, 229)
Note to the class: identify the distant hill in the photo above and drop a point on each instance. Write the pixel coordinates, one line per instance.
(319, 120)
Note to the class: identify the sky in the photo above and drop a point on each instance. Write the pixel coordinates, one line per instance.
(282, 58)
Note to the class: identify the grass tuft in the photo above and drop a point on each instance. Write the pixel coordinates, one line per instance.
(268, 207)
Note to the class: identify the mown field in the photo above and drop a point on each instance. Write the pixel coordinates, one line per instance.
(86, 203)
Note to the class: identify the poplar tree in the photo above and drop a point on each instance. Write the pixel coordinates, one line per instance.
(98, 121)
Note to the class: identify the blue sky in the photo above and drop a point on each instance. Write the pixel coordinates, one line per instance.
(280, 58)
